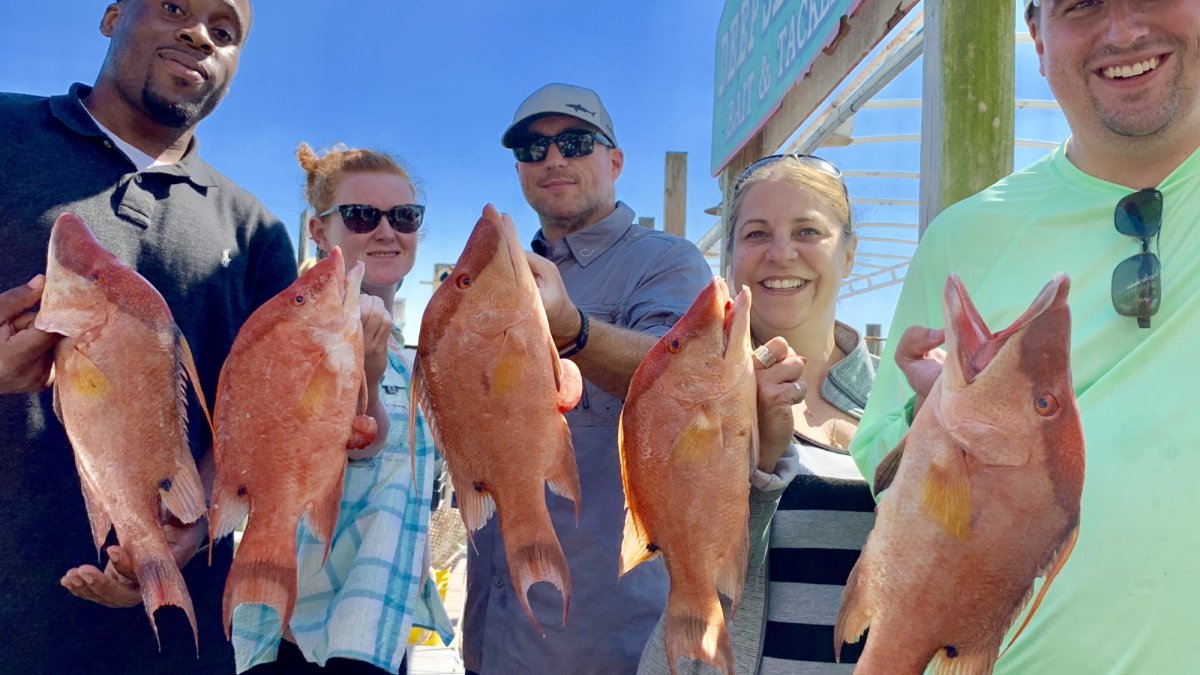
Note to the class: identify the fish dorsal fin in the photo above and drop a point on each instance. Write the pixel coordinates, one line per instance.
(188, 365)
(84, 377)
(885, 473)
(1056, 565)
(946, 494)
(696, 442)
(97, 517)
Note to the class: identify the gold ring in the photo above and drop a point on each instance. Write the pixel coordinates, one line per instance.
(764, 356)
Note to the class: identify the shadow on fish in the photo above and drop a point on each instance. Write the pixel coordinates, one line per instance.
(985, 500)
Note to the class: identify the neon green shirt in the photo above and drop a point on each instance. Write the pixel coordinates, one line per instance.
(1127, 599)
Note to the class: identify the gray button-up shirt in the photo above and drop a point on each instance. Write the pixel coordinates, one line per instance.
(635, 278)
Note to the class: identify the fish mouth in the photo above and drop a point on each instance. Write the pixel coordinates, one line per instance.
(969, 341)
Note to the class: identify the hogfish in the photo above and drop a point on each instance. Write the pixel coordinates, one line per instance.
(985, 500)
(120, 392)
(689, 441)
(289, 401)
(491, 384)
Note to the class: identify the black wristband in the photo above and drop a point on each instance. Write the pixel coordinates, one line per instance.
(580, 340)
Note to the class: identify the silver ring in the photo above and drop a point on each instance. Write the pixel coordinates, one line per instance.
(764, 356)
(800, 391)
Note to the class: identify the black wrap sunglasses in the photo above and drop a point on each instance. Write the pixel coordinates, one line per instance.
(1137, 280)
(362, 218)
(571, 143)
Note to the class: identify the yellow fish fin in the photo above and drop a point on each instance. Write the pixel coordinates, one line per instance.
(319, 393)
(1056, 566)
(85, 377)
(508, 371)
(697, 440)
(636, 547)
(946, 495)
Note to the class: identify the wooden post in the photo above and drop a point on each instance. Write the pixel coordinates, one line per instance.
(302, 241)
(675, 195)
(874, 339)
(646, 222)
(969, 100)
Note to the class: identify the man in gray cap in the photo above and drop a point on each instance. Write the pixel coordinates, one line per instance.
(1115, 208)
(611, 289)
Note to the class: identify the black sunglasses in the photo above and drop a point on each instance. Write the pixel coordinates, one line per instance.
(815, 162)
(1137, 280)
(361, 218)
(571, 143)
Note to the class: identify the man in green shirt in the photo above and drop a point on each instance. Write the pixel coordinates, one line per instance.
(1127, 75)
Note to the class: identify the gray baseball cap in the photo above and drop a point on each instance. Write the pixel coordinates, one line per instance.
(560, 99)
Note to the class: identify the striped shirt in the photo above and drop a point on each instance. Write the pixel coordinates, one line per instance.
(361, 604)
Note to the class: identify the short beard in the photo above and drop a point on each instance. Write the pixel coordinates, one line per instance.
(177, 115)
(586, 217)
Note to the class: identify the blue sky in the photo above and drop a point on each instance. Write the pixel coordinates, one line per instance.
(437, 83)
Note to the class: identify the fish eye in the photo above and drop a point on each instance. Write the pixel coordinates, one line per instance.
(1046, 405)
(463, 281)
(298, 300)
(95, 277)
(675, 345)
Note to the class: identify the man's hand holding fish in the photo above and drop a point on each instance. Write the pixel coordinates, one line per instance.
(26, 353)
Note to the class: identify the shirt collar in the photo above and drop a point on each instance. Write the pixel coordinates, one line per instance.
(849, 381)
(589, 243)
(69, 110)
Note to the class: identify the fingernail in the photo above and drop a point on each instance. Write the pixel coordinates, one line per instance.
(37, 282)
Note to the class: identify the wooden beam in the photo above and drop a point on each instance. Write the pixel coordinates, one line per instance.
(749, 154)
(857, 36)
(646, 222)
(675, 195)
(967, 123)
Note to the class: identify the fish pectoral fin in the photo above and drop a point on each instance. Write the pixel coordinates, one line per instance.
(84, 376)
(696, 442)
(319, 392)
(946, 494)
(885, 473)
(1057, 561)
(183, 493)
(563, 478)
(989, 445)
(509, 370)
(636, 547)
(570, 384)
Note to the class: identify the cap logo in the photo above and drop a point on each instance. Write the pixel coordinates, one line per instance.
(578, 108)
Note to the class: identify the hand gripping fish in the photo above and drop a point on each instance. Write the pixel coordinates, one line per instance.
(289, 401)
(985, 500)
(119, 392)
(493, 390)
(689, 440)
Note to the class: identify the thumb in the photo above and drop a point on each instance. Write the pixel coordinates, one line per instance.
(17, 300)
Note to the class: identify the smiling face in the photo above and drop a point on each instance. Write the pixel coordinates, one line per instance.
(1122, 69)
(173, 61)
(387, 254)
(790, 249)
(569, 194)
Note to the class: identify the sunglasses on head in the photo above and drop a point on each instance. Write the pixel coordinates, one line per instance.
(822, 165)
(1137, 280)
(361, 218)
(571, 143)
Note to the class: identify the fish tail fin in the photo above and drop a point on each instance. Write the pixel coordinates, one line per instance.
(636, 547)
(564, 474)
(258, 577)
(539, 560)
(183, 493)
(950, 661)
(162, 584)
(854, 615)
(731, 572)
(323, 513)
(230, 506)
(695, 628)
